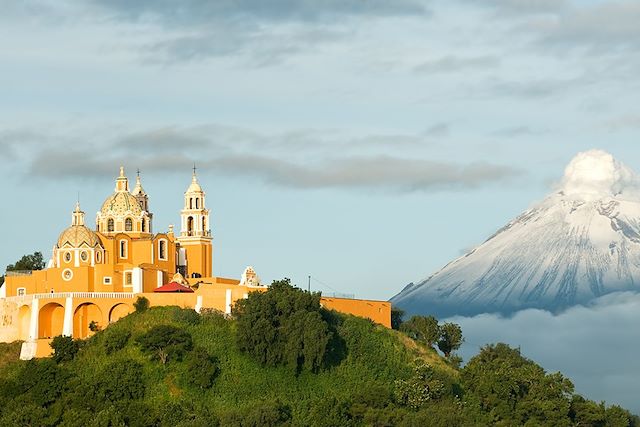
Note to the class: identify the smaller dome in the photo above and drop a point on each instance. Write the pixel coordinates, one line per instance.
(78, 236)
(195, 186)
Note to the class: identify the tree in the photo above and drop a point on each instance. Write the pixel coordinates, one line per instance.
(164, 342)
(283, 325)
(64, 348)
(201, 368)
(31, 262)
(422, 328)
(115, 339)
(450, 338)
(141, 304)
(420, 389)
(506, 388)
(396, 318)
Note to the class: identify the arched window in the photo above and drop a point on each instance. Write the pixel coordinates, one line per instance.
(162, 249)
(190, 225)
(204, 225)
(144, 228)
(123, 248)
(197, 203)
(110, 224)
(191, 203)
(128, 224)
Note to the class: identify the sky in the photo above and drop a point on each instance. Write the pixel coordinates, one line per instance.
(364, 143)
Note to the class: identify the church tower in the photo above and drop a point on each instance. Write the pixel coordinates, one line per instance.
(143, 200)
(195, 235)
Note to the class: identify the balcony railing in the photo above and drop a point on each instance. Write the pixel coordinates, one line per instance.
(15, 273)
(113, 295)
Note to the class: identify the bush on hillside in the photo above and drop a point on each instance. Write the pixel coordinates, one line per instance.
(187, 316)
(283, 326)
(164, 342)
(422, 328)
(64, 348)
(201, 369)
(141, 304)
(115, 339)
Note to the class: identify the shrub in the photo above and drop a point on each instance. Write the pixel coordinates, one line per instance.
(283, 326)
(115, 339)
(186, 315)
(164, 342)
(141, 304)
(201, 369)
(64, 348)
(120, 380)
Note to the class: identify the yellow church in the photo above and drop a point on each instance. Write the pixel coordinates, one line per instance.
(93, 277)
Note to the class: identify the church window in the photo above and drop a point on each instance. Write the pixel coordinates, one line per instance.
(162, 249)
(191, 203)
(84, 256)
(144, 228)
(128, 278)
(106, 280)
(197, 203)
(123, 248)
(67, 257)
(22, 291)
(190, 226)
(110, 226)
(128, 224)
(204, 226)
(98, 256)
(67, 274)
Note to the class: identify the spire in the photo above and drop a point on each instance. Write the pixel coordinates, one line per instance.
(122, 183)
(138, 190)
(77, 217)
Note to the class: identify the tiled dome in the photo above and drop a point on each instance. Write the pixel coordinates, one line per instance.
(78, 236)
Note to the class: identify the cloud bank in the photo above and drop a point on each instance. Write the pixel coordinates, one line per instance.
(303, 159)
(597, 346)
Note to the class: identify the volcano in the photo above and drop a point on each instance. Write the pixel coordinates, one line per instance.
(579, 243)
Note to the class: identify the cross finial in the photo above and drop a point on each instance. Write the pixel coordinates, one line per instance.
(194, 168)
(138, 172)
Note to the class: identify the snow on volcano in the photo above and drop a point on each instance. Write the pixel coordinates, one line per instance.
(581, 242)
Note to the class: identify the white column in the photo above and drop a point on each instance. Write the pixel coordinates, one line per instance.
(137, 280)
(227, 307)
(159, 279)
(76, 258)
(67, 326)
(198, 306)
(33, 325)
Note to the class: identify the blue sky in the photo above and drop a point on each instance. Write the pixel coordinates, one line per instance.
(364, 143)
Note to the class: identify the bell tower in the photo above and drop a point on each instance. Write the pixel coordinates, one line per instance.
(195, 234)
(143, 200)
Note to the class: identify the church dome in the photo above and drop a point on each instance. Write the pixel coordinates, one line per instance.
(119, 203)
(78, 236)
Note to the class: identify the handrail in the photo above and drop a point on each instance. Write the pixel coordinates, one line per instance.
(113, 295)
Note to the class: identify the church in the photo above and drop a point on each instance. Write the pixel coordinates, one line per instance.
(94, 276)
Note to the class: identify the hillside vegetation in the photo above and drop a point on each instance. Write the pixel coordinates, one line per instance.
(281, 361)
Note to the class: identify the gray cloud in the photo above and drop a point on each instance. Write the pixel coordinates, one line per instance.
(382, 172)
(302, 159)
(517, 131)
(576, 342)
(187, 13)
(449, 64)
(624, 122)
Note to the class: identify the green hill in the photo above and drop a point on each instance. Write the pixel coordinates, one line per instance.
(369, 375)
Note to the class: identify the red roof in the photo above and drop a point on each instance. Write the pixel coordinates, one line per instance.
(173, 287)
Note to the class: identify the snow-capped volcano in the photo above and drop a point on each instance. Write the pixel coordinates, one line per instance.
(581, 242)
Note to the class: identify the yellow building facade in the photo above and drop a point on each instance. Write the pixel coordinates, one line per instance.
(94, 276)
